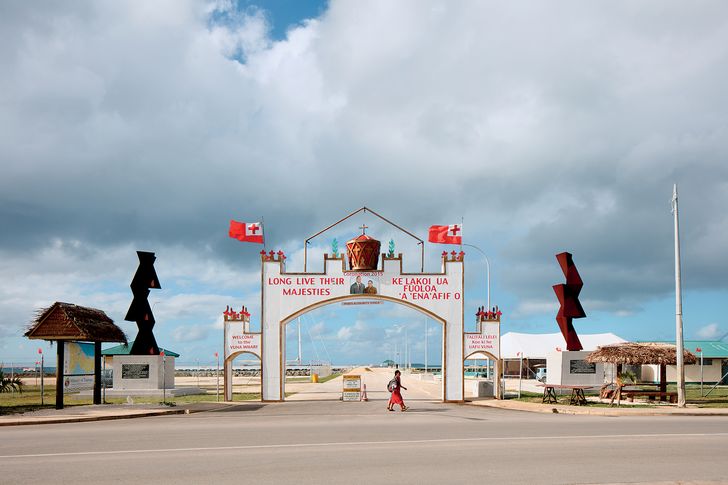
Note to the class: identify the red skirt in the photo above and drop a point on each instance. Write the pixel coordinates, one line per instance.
(396, 397)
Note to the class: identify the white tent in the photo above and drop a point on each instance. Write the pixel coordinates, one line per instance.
(539, 345)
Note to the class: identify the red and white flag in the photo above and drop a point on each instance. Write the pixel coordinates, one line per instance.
(246, 232)
(452, 234)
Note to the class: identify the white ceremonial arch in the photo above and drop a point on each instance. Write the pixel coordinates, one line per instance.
(285, 296)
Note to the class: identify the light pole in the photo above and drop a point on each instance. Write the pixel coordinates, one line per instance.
(679, 345)
(406, 350)
(217, 374)
(426, 329)
(487, 278)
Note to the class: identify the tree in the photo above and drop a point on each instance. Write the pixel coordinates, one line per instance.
(9, 384)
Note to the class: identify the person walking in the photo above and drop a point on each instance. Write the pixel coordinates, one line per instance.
(396, 398)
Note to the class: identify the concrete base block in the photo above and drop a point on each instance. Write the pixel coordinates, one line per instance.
(477, 388)
(140, 372)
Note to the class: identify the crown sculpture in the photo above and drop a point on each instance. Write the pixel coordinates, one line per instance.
(363, 252)
(568, 295)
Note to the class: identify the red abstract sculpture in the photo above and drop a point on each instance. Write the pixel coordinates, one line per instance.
(568, 295)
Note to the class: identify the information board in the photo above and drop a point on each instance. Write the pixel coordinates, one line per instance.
(351, 388)
(78, 366)
(581, 367)
(135, 371)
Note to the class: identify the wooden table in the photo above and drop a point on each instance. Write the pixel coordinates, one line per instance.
(577, 394)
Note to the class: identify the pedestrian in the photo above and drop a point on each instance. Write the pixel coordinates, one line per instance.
(396, 397)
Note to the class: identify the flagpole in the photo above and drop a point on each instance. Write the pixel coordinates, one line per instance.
(678, 307)
(262, 227)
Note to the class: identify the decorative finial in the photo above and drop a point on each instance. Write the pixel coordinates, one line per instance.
(363, 228)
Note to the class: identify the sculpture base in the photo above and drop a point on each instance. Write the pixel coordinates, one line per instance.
(571, 369)
(140, 372)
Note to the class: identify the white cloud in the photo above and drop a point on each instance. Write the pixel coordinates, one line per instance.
(189, 333)
(710, 331)
(128, 126)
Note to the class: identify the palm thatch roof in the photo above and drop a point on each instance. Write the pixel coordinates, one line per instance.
(631, 353)
(66, 321)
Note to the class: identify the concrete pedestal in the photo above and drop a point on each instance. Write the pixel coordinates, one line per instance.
(478, 388)
(570, 368)
(143, 372)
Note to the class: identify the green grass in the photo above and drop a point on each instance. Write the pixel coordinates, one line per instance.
(29, 400)
(328, 378)
(717, 399)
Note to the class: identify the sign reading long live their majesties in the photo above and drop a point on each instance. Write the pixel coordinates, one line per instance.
(407, 288)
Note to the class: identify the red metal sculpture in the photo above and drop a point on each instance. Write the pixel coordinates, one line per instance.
(568, 295)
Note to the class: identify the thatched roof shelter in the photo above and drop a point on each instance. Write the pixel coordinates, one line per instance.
(630, 353)
(66, 321)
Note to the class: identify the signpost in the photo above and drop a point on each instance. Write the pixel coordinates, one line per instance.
(164, 381)
(42, 373)
(217, 375)
(698, 349)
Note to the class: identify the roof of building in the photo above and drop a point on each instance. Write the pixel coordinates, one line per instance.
(640, 353)
(124, 349)
(712, 349)
(66, 321)
(539, 345)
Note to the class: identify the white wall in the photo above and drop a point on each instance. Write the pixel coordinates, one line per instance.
(559, 367)
(156, 374)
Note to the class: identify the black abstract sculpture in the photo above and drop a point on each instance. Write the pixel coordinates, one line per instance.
(140, 311)
(568, 295)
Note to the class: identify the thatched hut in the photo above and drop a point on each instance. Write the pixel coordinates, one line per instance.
(631, 353)
(66, 321)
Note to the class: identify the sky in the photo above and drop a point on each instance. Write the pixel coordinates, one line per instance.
(544, 128)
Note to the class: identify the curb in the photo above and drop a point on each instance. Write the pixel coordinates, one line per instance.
(586, 411)
(79, 419)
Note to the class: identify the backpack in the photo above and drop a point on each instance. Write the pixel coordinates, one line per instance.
(392, 385)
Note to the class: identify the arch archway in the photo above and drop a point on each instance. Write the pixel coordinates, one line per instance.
(285, 295)
(323, 303)
(228, 373)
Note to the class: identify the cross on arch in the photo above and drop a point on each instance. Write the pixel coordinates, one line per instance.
(363, 228)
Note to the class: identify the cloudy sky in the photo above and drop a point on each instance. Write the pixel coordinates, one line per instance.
(545, 127)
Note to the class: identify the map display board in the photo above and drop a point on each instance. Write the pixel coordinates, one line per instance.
(78, 366)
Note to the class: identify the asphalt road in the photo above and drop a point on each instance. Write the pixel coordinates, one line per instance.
(337, 442)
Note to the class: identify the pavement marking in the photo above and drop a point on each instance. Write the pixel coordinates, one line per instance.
(366, 443)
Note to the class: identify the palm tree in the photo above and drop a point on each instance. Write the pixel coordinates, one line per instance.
(9, 384)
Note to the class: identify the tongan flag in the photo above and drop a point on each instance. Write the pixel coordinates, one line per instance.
(451, 234)
(246, 232)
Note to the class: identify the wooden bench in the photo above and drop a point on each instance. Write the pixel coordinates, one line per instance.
(651, 395)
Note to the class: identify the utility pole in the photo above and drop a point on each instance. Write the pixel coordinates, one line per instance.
(426, 345)
(678, 307)
(299, 341)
